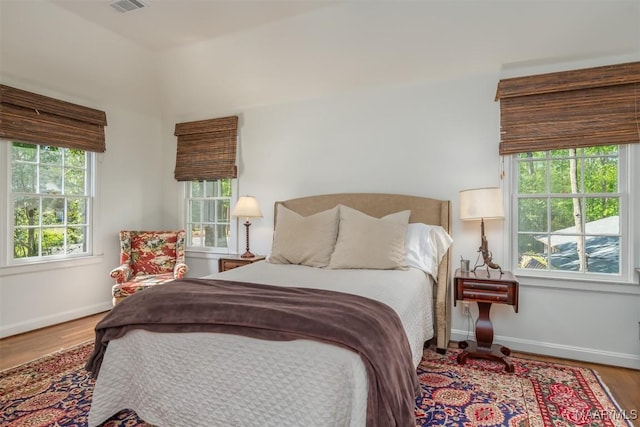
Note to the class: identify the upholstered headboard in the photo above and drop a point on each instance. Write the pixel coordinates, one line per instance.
(423, 209)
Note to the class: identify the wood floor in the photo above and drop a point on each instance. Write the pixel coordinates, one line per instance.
(623, 383)
(22, 348)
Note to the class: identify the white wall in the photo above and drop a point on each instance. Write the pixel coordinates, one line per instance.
(46, 50)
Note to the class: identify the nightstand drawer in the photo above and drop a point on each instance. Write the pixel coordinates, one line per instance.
(234, 261)
(496, 287)
(500, 288)
(480, 295)
(229, 264)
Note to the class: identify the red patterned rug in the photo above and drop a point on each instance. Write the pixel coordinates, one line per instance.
(56, 391)
(536, 394)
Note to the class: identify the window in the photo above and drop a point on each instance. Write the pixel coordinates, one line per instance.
(208, 205)
(571, 136)
(569, 210)
(50, 200)
(206, 163)
(47, 193)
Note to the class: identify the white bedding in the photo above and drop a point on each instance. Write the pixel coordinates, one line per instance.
(207, 379)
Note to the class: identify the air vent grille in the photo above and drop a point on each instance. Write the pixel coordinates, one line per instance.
(127, 5)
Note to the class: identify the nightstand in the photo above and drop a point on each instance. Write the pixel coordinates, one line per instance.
(485, 288)
(230, 262)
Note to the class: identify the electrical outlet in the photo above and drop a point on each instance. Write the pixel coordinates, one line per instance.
(465, 308)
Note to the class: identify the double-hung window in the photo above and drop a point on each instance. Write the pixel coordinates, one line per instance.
(571, 137)
(206, 164)
(50, 199)
(47, 157)
(570, 211)
(208, 216)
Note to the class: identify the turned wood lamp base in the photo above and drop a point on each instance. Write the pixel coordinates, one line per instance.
(248, 253)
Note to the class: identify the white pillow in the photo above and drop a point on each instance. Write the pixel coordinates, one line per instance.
(425, 247)
(304, 240)
(368, 242)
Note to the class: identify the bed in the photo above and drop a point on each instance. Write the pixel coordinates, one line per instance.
(224, 379)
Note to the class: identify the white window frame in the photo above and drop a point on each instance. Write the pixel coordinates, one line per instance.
(628, 248)
(233, 228)
(9, 265)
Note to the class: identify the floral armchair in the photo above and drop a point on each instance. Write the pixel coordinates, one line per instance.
(148, 258)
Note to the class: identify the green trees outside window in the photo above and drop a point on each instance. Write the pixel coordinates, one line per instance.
(568, 209)
(50, 197)
(209, 214)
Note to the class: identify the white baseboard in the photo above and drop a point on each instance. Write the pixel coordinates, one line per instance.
(591, 355)
(41, 322)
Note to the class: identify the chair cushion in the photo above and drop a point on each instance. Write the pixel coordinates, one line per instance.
(139, 283)
(153, 252)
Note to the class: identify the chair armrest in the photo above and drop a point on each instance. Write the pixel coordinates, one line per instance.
(121, 273)
(180, 270)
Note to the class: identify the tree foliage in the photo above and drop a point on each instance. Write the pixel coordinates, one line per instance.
(209, 213)
(546, 198)
(48, 187)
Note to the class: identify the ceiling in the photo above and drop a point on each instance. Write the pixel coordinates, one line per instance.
(186, 21)
(264, 52)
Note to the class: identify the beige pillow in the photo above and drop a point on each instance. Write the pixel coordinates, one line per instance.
(304, 240)
(368, 242)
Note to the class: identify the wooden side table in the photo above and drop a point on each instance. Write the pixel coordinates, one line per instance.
(230, 262)
(485, 289)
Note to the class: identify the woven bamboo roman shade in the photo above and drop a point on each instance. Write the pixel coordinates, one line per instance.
(570, 109)
(207, 149)
(29, 117)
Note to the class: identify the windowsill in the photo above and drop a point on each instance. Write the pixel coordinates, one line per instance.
(36, 267)
(191, 253)
(579, 285)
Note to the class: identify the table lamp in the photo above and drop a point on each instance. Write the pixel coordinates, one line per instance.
(481, 204)
(247, 207)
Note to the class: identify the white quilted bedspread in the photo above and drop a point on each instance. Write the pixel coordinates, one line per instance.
(209, 380)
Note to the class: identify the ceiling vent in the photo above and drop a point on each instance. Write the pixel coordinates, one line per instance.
(125, 6)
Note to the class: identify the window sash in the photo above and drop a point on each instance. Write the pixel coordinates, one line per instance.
(64, 222)
(626, 250)
(214, 226)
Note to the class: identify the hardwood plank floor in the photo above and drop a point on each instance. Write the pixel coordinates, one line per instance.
(623, 383)
(22, 348)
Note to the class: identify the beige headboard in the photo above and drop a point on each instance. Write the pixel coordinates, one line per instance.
(423, 209)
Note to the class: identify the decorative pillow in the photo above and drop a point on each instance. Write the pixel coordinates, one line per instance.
(426, 245)
(368, 242)
(304, 240)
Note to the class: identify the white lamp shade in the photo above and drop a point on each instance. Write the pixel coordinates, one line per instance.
(481, 203)
(247, 207)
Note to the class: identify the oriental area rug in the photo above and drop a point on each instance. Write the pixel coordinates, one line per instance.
(56, 391)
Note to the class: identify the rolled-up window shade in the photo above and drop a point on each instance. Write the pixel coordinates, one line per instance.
(570, 109)
(207, 149)
(30, 117)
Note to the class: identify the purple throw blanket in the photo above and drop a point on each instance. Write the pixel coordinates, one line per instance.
(370, 328)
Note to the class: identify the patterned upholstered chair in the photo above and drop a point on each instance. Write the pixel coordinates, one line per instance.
(148, 258)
